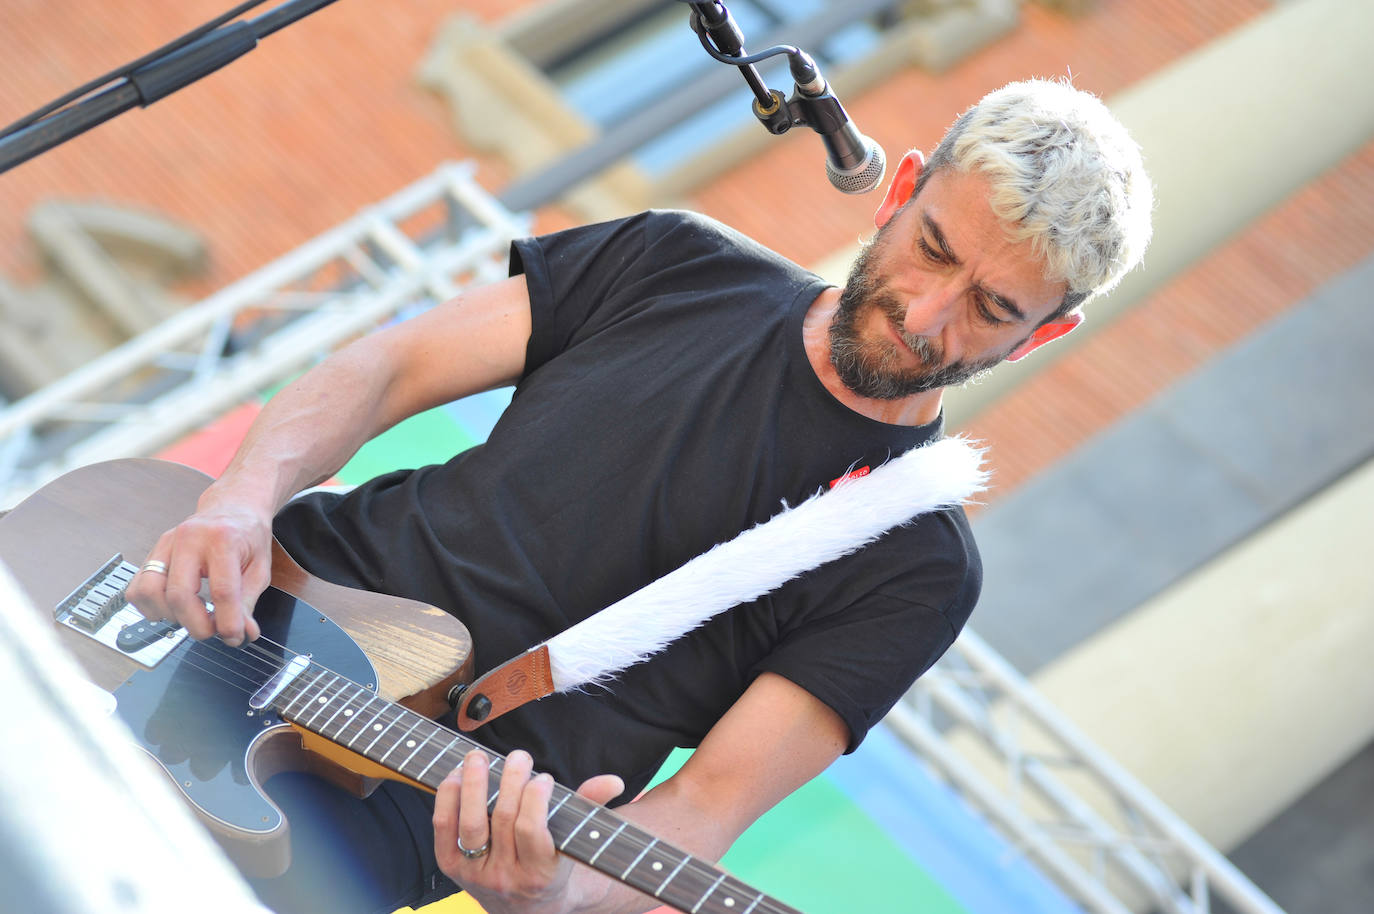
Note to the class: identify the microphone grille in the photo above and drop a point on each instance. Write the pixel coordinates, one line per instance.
(863, 177)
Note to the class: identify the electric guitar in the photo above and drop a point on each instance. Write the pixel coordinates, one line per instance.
(348, 696)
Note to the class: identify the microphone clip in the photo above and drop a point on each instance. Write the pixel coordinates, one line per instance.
(854, 163)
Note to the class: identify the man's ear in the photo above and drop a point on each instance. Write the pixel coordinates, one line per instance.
(1043, 334)
(903, 185)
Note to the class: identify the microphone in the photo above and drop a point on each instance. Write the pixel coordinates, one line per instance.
(853, 162)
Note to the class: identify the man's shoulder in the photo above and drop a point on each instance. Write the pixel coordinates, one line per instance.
(689, 223)
(932, 561)
(688, 232)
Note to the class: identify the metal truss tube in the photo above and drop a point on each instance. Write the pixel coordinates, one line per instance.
(173, 332)
(161, 423)
(930, 744)
(1146, 874)
(186, 358)
(1205, 861)
(1222, 873)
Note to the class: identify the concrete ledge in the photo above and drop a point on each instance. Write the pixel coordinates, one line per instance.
(1237, 690)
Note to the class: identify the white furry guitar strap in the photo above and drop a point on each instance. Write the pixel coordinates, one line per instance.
(825, 527)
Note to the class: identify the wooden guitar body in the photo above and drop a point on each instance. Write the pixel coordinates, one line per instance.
(190, 709)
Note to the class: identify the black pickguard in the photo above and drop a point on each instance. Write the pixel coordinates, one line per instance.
(191, 711)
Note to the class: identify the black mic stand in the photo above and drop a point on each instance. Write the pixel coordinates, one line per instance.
(153, 80)
(811, 105)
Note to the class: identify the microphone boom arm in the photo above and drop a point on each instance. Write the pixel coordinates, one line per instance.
(854, 163)
(154, 79)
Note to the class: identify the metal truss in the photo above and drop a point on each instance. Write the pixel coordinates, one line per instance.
(408, 252)
(1088, 824)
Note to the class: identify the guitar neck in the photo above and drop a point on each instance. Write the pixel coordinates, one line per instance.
(417, 748)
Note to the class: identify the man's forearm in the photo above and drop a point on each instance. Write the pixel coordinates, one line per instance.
(305, 433)
(310, 429)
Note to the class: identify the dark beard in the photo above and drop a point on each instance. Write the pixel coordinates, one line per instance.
(874, 369)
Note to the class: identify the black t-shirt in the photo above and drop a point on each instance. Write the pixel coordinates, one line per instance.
(667, 404)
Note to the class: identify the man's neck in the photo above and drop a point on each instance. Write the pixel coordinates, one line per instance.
(917, 409)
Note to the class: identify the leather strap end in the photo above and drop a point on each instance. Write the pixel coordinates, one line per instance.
(518, 680)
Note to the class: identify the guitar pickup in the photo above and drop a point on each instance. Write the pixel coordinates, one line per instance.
(134, 638)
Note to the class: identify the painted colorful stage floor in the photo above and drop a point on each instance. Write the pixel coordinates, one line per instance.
(875, 833)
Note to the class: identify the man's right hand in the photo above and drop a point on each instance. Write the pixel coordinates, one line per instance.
(228, 545)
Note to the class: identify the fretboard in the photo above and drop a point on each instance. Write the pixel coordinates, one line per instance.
(423, 751)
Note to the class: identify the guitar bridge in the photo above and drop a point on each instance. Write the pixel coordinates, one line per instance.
(99, 610)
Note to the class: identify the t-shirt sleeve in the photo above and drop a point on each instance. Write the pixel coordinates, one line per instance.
(862, 653)
(586, 279)
(576, 280)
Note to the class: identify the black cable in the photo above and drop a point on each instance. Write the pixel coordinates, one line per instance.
(774, 51)
(128, 68)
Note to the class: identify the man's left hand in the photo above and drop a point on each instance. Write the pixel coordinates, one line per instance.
(520, 870)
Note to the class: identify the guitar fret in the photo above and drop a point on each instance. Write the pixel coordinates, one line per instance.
(585, 819)
(677, 869)
(287, 708)
(635, 862)
(698, 883)
(752, 905)
(418, 746)
(697, 906)
(442, 752)
(370, 722)
(323, 702)
(351, 711)
(381, 731)
(409, 730)
(609, 841)
(558, 805)
(343, 707)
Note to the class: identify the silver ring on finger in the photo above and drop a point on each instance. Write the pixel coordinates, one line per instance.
(474, 852)
(155, 567)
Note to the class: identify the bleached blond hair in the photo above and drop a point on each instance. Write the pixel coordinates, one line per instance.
(1065, 175)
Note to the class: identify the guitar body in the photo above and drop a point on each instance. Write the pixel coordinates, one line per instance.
(189, 708)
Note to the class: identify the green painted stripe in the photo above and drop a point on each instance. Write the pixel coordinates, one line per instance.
(430, 437)
(818, 851)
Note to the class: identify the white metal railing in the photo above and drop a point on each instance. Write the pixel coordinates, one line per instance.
(417, 247)
(1086, 822)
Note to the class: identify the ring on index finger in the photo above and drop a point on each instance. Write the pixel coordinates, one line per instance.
(475, 852)
(155, 567)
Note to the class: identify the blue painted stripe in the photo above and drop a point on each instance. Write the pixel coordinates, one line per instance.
(938, 829)
(478, 414)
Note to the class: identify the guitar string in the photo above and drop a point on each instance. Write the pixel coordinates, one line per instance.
(213, 651)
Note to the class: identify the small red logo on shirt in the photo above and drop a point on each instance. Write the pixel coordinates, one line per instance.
(852, 474)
